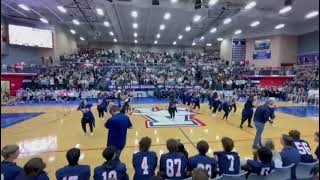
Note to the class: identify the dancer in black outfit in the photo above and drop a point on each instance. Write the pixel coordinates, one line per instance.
(215, 102)
(247, 111)
(172, 108)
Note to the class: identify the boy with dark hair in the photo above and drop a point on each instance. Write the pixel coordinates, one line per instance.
(33, 169)
(203, 161)
(289, 154)
(173, 165)
(302, 146)
(111, 169)
(9, 169)
(73, 170)
(145, 161)
(316, 138)
(263, 165)
(228, 160)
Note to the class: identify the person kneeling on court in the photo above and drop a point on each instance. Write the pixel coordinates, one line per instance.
(112, 169)
(261, 166)
(73, 170)
(173, 165)
(9, 169)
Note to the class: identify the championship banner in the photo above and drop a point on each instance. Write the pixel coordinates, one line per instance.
(152, 87)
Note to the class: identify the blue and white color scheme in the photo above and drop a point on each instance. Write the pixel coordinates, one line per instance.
(157, 117)
(261, 55)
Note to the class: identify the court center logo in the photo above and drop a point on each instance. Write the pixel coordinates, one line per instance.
(157, 117)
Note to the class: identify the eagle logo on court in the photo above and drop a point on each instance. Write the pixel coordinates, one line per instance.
(157, 117)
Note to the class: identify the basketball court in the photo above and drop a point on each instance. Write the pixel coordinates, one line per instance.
(52, 130)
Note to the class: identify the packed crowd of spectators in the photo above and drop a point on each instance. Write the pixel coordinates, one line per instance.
(98, 69)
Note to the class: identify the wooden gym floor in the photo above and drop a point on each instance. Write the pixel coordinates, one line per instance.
(51, 134)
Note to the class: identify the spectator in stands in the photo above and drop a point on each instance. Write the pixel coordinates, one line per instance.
(111, 169)
(200, 174)
(316, 138)
(302, 146)
(9, 169)
(73, 170)
(173, 165)
(144, 161)
(263, 165)
(275, 155)
(203, 161)
(228, 160)
(33, 169)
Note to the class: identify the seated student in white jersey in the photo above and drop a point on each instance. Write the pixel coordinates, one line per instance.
(173, 165)
(302, 146)
(73, 170)
(228, 160)
(144, 161)
(203, 161)
(112, 169)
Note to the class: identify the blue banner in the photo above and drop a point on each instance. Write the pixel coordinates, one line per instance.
(152, 87)
(262, 55)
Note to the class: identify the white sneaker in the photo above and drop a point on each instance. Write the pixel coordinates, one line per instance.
(91, 134)
(83, 134)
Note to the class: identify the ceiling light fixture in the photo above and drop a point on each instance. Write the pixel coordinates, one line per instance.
(193, 43)
(202, 38)
(166, 16)
(62, 9)
(76, 22)
(208, 44)
(212, 2)
(213, 30)
(72, 31)
(285, 9)
(111, 33)
(174, 43)
(250, 5)
(174, 1)
(136, 41)
(99, 11)
(227, 21)
(311, 14)
(155, 42)
(238, 31)
(180, 37)
(134, 14)
(279, 26)
(162, 27)
(188, 28)
(255, 23)
(44, 20)
(81, 38)
(158, 36)
(135, 34)
(196, 18)
(24, 7)
(106, 23)
(220, 39)
(115, 40)
(135, 25)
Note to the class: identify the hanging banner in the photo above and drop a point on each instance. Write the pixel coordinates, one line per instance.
(261, 55)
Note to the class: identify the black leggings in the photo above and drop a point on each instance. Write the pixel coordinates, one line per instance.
(226, 114)
(101, 113)
(172, 112)
(215, 108)
(84, 127)
(196, 104)
(234, 106)
(244, 119)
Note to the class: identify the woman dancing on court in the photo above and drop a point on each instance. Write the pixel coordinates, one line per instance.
(215, 102)
(247, 111)
(172, 108)
(87, 117)
(225, 106)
